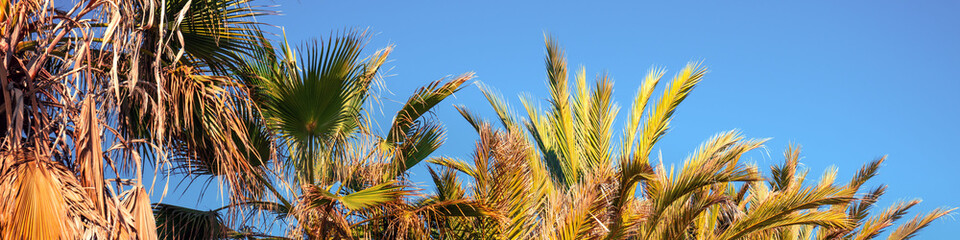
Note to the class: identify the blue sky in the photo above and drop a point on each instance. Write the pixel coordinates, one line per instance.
(848, 81)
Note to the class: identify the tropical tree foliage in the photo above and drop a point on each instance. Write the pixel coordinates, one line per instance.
(97, 93)
(557, 174)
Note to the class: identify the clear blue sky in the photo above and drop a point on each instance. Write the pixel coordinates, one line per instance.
(848, 81)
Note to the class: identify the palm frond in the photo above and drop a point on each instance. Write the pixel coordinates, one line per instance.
(416, 138)
(42, 201)
(456, 164)
(89, 154)
(137, 203)
(636, 111)
(210, 32)
(315, 103)
(794, 206)
(175, 222)
(448, 184)
(708, 166)
(420, 103)
(909, 230)
(500, 107)
(373, 196)
(561, 115)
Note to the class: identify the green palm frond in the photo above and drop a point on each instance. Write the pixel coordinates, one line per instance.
(867, 172)
(175, 222)
(316, 196)
(561, 115)
(600, 112)
(475, 121)
(501, 107)
(416, 138)
(456, 164)
(861, 208)
(211, 32)
(711, 164)
(635, 167)
(462, 208)
(785, 176)
(636, 111)
(447, 184)
(315, 103)
(420, 143)
(658, 121)
(373, 196)
(420, 103)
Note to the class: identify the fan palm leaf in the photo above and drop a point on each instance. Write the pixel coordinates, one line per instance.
(43, 201)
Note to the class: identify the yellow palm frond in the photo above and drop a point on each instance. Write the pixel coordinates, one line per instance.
(41, 200)
(909, 230)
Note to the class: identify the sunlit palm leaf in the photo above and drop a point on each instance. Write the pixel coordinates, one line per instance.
(909, 230)
(373, 196)
(448, 185)
(41, 201)
(414, 137)
(421, 102)
(137, 203)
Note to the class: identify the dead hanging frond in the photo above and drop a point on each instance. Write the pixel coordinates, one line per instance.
(89, 162)
(137, 203)
(211, 134)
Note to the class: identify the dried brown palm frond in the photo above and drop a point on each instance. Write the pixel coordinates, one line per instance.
(81, 75)
(137, 202)
(89, 162)
(43, 200)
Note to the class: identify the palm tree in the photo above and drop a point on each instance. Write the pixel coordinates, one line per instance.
(112, 85)
(857, 211)
(96, 93)
(344, 179)
(557, 174)
(170, 83)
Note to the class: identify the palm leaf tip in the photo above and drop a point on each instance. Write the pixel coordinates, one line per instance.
(909, 230)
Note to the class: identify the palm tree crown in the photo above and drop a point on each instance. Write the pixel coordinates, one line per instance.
(95, 94)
